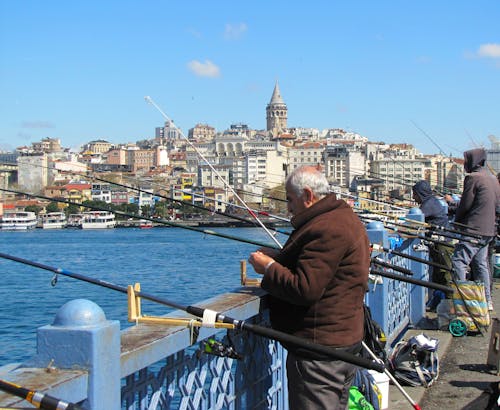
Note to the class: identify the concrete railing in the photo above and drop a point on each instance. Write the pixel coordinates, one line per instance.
(84, 358)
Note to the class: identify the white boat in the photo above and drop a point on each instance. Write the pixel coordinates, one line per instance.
(54, 220)
(98, 220)
(75, 220)
(18, 221)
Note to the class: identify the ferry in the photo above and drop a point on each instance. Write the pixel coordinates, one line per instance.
(74, 221)
(54, 220)
(98, 220)
(17, 221)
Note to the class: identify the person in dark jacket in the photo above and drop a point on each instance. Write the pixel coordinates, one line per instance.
(434, 211)
(317, 284)
(436, 215)
(476, 214)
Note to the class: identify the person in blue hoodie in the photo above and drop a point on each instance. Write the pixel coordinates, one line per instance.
(436, 214)
(476, 214)
(434, 211)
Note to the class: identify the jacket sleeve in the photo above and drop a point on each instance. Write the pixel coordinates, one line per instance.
(315, 267)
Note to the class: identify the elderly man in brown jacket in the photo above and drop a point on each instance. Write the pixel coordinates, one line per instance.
(317, 284)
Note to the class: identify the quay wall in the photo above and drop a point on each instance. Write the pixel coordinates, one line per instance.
(84, 358)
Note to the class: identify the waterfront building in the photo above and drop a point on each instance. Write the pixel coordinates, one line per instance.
(33, 172)
(77, 192)
(101, 192)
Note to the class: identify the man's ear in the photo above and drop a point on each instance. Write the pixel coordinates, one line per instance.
(308, 195)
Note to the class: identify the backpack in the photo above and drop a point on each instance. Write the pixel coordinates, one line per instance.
(374, 337)
(415, 362)
(365, 383)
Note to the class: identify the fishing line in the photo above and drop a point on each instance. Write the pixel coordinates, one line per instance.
(212, 316)
(150, 101)
(161, 221)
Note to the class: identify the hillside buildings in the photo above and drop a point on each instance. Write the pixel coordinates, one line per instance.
(248, 161)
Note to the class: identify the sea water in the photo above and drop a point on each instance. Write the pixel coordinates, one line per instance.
(175, 264)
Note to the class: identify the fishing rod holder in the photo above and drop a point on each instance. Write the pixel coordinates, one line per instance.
(245, 281)
(135, 315)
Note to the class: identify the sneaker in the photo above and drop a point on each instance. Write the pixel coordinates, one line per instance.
(490, 306)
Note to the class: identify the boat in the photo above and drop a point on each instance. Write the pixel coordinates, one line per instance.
(74, 221)
(145, 224)
(18, 221)
(54, 220)
(98, 220)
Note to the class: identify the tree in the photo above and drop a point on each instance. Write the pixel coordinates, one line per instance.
(52, 207)
(33, 208)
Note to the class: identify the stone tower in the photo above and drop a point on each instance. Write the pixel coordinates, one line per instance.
(276, 113)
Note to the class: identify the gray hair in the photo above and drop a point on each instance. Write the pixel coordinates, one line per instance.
(310, 177)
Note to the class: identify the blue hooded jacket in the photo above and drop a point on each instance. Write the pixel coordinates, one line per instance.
(434, 211)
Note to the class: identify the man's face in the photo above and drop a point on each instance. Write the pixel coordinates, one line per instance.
(295, 203)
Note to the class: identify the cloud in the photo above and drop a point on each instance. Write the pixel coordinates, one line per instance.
(206, 69)
(234, 31)
(489, 51)
(37, 124)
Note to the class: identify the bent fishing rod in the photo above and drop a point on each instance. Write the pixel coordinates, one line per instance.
(135, 216)
(38, 399)
(210, 317)
(150, 101)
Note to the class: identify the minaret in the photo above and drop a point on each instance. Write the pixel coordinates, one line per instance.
(276, 113)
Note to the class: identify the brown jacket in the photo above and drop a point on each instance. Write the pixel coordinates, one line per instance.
(320, 277)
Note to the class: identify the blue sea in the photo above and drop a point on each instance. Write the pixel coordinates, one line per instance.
(179, 265)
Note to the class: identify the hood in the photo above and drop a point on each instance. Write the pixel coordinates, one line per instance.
(423, 190)
(474, 159)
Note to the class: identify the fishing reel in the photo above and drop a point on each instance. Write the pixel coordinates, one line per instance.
(216, 348)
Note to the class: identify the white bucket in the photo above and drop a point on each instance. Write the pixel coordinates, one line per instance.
(382, 381)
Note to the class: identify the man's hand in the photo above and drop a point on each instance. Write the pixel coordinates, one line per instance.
(260, 261)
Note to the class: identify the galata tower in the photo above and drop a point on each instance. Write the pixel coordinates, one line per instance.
(276, 113)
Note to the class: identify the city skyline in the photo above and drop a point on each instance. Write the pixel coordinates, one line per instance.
(426, 74)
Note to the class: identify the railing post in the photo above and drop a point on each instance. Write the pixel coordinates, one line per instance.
(418, 294)
(82, 337)
(377, 234)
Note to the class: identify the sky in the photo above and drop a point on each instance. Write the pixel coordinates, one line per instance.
(422, 72)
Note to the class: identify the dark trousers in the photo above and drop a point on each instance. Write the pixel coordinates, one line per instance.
(319, 384)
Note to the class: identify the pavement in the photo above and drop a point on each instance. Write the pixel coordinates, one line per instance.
(469, 375)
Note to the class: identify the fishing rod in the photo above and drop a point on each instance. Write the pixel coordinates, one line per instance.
(228, 215)
(377, 247)
(420, 236)
(135, 216)
(464, 237)
(204, 231)
(413, 281)
(263, 213)
(379, 262)
(38, 399)
(428, 228)
(210, 317)
(150, 101)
